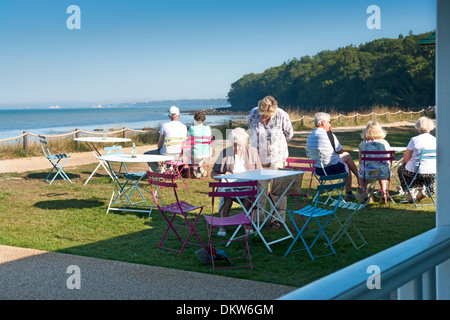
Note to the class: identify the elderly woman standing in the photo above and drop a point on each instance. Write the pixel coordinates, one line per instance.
(271, 130)
(240, 157)
(410, 164)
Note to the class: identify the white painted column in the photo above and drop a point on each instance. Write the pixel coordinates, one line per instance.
(443, 134)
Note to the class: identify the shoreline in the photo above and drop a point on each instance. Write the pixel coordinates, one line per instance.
(217, 112)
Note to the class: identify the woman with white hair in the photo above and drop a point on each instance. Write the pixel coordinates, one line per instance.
(408, 169)
(240, 157)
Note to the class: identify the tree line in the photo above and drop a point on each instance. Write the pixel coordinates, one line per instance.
(384, 72)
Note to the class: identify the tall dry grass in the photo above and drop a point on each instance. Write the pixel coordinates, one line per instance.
(304, 120)
(67, 144)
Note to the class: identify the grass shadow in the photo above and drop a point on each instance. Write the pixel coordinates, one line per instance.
(43, 175)
(64, 204)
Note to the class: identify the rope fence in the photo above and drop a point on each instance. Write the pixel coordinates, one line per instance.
(25, 135)
(357, 115)
(76, 132)
(339, 117)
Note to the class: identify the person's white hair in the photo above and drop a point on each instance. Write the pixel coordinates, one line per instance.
(424, 125)
(321, 116)
(239, 136)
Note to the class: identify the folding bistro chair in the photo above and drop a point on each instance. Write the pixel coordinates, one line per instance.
(55, 160)
(175, 210)
(318, 213)
(349, 222)
(397, 163)
(238, 190)
(370, 177)
(315, 154)
(296, 191)
(132, 179)
(307, 165)
(177, 165)
(425, 154)
(204, 144)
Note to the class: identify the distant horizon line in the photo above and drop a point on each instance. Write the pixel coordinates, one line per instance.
(92, 104)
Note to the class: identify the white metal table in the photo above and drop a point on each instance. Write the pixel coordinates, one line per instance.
(123, 191)
(91, 141)
(265, 175)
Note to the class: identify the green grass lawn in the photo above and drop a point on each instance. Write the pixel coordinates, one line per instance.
(71, 218)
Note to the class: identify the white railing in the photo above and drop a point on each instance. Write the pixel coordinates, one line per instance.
(410, 265)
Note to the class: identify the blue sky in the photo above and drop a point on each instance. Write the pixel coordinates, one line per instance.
(140, 50)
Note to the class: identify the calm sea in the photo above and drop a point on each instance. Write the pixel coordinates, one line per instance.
(57, 121)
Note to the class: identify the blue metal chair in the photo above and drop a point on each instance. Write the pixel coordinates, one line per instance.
(425, 154)
(315, 154)
(317, 213)
(131, 183)
(55, 160)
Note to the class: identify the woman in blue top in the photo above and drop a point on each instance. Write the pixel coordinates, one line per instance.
(200, 151)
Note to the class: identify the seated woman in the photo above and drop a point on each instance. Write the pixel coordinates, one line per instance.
(410, 164)
(240, 157)
(373, 140)
(200, 151)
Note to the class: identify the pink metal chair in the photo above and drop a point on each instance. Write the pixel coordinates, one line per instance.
(239, 191)
(370, 176)
(173, 210)
(303, 165)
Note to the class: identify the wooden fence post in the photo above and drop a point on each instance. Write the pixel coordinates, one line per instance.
(77, 135)
(123, 132)
(340, 120)
(25, 141)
